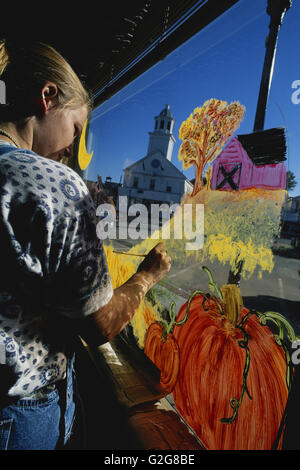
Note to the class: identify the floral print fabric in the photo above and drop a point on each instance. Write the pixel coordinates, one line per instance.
(52, 265)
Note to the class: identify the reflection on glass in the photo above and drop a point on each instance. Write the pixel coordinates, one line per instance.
(198, 151)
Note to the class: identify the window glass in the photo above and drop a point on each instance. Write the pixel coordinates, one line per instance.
(244, 225)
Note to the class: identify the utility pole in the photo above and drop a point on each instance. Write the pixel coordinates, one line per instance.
(276, 9)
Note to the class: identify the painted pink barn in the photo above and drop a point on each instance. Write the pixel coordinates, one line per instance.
(233, 169)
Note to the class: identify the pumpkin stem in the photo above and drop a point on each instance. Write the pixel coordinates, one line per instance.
(233, 302)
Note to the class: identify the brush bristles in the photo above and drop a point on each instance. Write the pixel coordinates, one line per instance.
(265, 147)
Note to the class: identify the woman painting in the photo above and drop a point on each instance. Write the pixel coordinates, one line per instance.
(54, 280)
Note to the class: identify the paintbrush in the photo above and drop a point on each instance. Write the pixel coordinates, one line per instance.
(129, 254)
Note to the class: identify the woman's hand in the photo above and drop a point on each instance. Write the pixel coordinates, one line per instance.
(157, 263)
(104, 324)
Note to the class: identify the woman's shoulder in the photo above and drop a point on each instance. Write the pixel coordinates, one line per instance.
(24, 171)
(29, 164)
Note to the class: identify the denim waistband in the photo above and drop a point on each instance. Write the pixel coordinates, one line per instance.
(41, 393)
(33, 402)
(63, 387)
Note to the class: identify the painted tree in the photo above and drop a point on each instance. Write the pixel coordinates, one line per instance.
(205, 132)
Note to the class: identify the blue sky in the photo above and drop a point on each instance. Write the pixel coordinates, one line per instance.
(222, 61)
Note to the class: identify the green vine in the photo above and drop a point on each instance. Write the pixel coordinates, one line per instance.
(285, 330)
(168, 326)
(234, 403)
(207, 298)
(212, 284)
(285, 335)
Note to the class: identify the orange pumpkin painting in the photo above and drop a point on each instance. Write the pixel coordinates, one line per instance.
(164, 354)
(162, 348)
(232, 383)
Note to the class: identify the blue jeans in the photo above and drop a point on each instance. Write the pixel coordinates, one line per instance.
(40, 423)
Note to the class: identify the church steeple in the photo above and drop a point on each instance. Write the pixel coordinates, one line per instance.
(161, 138)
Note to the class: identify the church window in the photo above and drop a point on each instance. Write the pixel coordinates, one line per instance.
(162, 123)
(135, 182)
(152, 183)
(169, 125)
(169, 189)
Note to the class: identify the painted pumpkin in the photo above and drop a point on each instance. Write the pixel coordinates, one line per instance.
(162, 348)
(164, 354)
(231, 388)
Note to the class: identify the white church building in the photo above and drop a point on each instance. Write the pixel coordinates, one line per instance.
(154, 178)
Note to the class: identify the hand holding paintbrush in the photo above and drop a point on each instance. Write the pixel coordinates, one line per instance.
(156, 262)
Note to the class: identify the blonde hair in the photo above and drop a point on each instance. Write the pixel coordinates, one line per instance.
(25, 68)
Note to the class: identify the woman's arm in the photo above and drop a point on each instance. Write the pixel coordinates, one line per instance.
(104, 324)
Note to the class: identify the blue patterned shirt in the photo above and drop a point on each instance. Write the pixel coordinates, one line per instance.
(51, 264)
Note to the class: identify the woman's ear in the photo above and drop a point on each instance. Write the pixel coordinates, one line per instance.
(48, 98)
